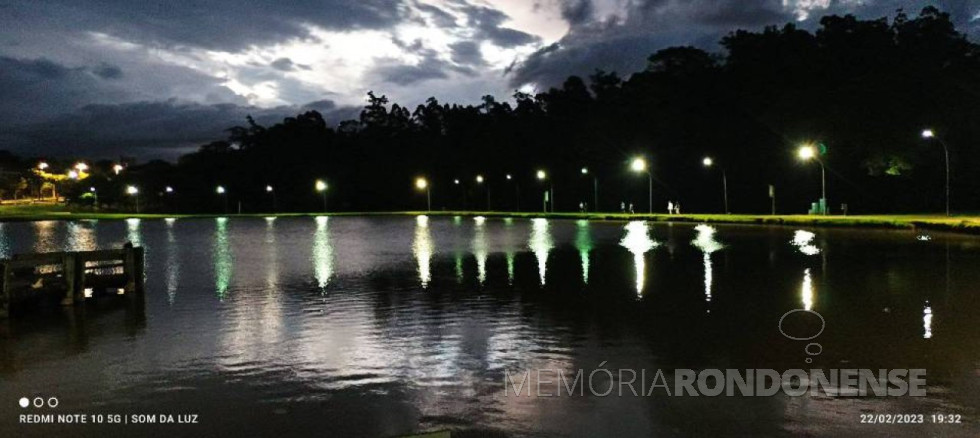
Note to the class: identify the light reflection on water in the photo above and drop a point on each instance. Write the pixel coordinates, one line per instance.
(410, 361)
(540, 243)
(637, 240)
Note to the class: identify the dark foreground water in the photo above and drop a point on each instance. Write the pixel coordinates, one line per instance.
(393, 326)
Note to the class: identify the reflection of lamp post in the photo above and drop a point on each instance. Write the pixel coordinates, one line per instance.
(322, 188)
(639, 165)
(221, 192)
(708, 162)
(929, 134)
(809, 152)
(542, 175)
(480, 180)
(423, 184)
(595, 189)
(135, 192)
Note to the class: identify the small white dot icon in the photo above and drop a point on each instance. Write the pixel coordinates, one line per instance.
(24, 402)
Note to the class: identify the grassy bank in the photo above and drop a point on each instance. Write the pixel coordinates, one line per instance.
(962, 224)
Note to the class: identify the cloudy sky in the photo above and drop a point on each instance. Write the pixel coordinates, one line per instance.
(155, 78)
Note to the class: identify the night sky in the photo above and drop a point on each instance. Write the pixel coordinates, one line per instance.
(158, 78)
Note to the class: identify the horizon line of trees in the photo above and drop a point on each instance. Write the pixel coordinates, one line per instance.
(864, 88)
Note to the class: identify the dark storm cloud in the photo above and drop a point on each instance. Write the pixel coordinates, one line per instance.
(487, 23)
(107, 71)
(623, 43)
(577, 11)
(437, 16)
(467, 53)
(158, 129)
(286, 64)
(216, 24)
(408, 74)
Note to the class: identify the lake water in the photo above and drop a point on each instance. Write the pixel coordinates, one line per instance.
(377, 326)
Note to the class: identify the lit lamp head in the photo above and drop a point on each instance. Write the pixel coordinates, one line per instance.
(132, 190)
(320, 185)
(479, 179)
(585, 171)
(927, 133)
(708, 162)
(169, 189)
(508, 177)
(456, 181)
(807, 152)
(220, 190)
(42, 165)
(638, 165)
(91, 189)
(72, 174)
(81, 167)
(541, 175)
(117, 168)
(268, 189)
(421, 183)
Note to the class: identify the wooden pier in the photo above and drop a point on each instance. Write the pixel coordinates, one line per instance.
(70, 277)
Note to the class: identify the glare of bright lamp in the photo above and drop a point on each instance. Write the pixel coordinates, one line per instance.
(42, 165)
(708, 161)
(638, 165)
(132, 190)
(72, 174)
(268, 189)
(91, 189)
(81, 167)
(421, 183)
(169, 189)
(320, 185)
(541, 175)
(117, 168)
(927, 133)
(220, 190)
(479, 179)
(807, 152)
(508, 177)
(456, 181)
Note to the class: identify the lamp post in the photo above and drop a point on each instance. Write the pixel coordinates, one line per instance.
(272, 193)
(95, 197)
(929, 134)
(135, 192)
(708, 162)
(423, 184)
(117, 168)
(169, 191)
(639, 165)
(595, 189)
(220, 190)
(809, 152)
(481, 180)
(321, 187)
(542, 175)
(517, 189)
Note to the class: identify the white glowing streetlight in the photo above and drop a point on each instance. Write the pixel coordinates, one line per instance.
(117, 168)
(42, 165)
(220, 190)
(168, 189)
(542, 176)
(595, 188)
(321, 187)
(928, 134)
(809, 152)
(95, 197)
(639, 165)
(72, 174)
(708, 162)
(517, 191)
(134, 192)
(480, 180)
(272, 193)
(423, 184)
(81, 167)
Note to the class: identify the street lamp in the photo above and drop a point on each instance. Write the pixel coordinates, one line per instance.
(542, 175)
(517, 189)
(639, 165)
(95, 197)
(928, 134)
(271, 192)
(595, 189)
(117, 168)
(322, 188)
(480, 180)
(135, 192)
(809, 152)
(72, 174)
(708, 162)
(81, 167)
(221, 191)
(423, 184)
(42, 165)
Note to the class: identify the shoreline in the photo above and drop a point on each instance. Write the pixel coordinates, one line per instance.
(955, 224)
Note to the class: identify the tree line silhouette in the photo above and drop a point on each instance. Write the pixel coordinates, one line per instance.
(863, 88)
